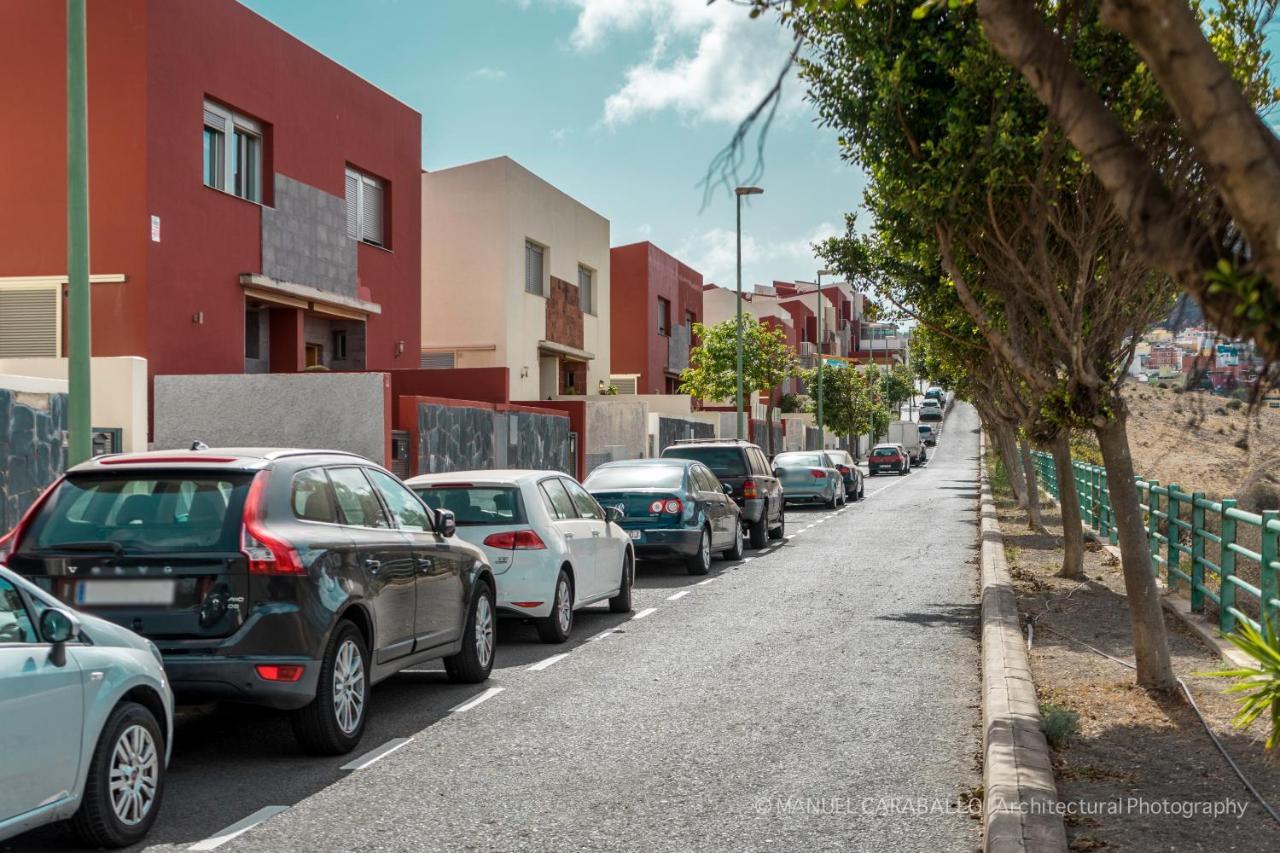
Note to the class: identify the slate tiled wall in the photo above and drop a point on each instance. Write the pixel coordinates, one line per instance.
(32, 427)
(465, 438)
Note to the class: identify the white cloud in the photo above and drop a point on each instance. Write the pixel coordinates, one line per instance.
(706, 63)
(487, 73)
(714, 254)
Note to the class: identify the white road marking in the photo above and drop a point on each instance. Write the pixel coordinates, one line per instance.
(543, 664)
(471, 703)
(378, 754)
(744, 559)
(681, 594)
(797, 532)
(601, 635)
(709, 580)
(238, 828)
(648, 611)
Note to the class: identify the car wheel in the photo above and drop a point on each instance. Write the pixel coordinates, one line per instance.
(125, 783)
(781, 530)
(556, 627)
(735, 552)
(833, 501)
(621, 603)
(700, 562)
(759, 530)
(474, 660)
(862, 490)
(333, 723)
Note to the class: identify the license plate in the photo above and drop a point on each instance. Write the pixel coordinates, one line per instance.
(637, 534)
(125, 592)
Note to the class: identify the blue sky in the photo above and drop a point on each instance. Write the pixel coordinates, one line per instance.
(620, 103)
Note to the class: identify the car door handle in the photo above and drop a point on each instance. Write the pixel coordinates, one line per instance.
(595, 533)
(568, 536)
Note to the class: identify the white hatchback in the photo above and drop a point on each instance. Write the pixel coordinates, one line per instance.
(553, 548)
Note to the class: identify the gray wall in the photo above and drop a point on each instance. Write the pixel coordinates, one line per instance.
(467, 438)
(671, 430)
(616, 429)
(304, 238)
(32, 427)
(335, 411)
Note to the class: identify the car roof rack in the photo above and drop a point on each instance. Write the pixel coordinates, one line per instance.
(713, 441)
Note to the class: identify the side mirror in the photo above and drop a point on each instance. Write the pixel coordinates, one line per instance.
(777, 472)
(446, 524)
(728, 489)
(613, 514)
(59, 628)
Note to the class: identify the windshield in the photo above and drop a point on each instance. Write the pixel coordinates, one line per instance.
(155, 513)
(635, 477)
(885, 451)
(476, 505)
(723, 461)
(784, 459)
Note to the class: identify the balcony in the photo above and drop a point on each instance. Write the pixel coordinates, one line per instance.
(678, 349)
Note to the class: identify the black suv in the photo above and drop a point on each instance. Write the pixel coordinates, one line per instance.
(295, 579)
(742, 466)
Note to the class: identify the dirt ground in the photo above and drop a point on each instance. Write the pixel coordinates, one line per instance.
(1139, 762)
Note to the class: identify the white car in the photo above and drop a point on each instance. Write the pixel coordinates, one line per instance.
(86, 720)
(553, 548)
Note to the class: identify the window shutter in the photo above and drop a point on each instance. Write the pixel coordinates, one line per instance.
(438, 360)
(371, 211)
(532, 268)
(29, 323)
(215, 120)
(353, 206)
(585, 294)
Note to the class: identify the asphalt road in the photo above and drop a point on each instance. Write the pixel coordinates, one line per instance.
(821, 694)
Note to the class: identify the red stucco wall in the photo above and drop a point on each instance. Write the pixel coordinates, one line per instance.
(639, 273)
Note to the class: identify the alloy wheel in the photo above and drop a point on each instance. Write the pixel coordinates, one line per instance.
(484, 630)
(564, 606)
(348, 687)
(134, 776)
(705, 549)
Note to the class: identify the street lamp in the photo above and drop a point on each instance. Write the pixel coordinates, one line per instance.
(740, 192)
(822, 435)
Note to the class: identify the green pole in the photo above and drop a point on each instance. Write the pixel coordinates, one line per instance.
(78, 343)
(741, 425)
(822, 433)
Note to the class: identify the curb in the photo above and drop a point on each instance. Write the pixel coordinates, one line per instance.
(1020, 798)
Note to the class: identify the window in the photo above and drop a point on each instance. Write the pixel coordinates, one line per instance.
(533, 268)
(664, 316)
(586, 290)
(15, 624)
(312, 497)
(365, 208)
(723, 461)
(558, 502)
(704, 480)
(476, 505)
(407, 510)
(356, 499)
(644, 476)
(232, 152)
(587, 506)
(690, 319)
(340, 344)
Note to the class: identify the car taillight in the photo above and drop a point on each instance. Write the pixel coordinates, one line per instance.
(10, 541)
(267, 554)
(673, 507)
(515, 540)
(817, 474)
(749, 489)
(279, 671)
(655, 507)
(844, 469)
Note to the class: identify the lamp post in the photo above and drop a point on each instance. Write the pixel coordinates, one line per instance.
(740, 192)
(822, 433)
(80, 445)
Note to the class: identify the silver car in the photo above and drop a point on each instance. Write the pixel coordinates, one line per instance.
(86, 720)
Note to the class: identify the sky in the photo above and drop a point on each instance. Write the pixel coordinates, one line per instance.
(620, 103)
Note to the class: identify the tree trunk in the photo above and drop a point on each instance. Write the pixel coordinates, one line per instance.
(1034, 521)
(1150, 647)
(1009, 455)
(768, 426)
(1068, 500)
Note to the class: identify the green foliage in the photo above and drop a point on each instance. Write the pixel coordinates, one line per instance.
(848, 405)
(767, 359)
(999, 474)
(1258, 689)
(897, 385)
(1084, 447)
(1060, 725)
(791, 403)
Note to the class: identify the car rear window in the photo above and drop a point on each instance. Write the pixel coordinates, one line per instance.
(635, 477)
(885, 451)
(723, 461)
(158, 513)
(783, 459)
(476, 505)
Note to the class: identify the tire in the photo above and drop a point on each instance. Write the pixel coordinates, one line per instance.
(556, 627)
(735, 552)
(780, 531)
(833, 501)
(130, 730)
(759, 530)
(700, 562)
(474, 661)
(621, 603)
(326, 727)
(862, 490)
(902, 472)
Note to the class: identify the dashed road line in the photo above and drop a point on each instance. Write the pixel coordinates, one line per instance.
(601, 635)
(471, 703)
(648, 611)
(375, 755)
(543, 664)
(681, 594)
(240, 827)
(708, 580)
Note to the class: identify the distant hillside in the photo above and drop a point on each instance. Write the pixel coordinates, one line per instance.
(1186, 313)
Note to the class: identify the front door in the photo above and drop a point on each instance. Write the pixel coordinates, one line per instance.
(576, 532)
(41, 706)
(603, 570)
(716, 504)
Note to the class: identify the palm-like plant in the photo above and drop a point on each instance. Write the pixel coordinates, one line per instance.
(1260, 688)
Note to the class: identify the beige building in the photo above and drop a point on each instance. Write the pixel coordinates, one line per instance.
(515, 274)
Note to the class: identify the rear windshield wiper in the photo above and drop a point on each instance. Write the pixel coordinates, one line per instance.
(94, 547)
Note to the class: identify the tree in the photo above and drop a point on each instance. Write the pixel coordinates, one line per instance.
(898, 386)
(767, 361)
(847, 406)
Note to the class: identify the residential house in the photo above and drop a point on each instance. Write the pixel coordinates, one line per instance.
(656, 301)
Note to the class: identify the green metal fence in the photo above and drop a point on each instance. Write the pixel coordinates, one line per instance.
(1184, 545)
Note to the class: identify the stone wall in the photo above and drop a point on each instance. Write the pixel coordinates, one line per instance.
(564, 314)
(305, 240)
(469, 438)
(671, 430)
(33, 426)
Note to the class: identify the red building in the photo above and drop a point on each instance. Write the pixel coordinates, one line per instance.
(655, 302)
(254, 206)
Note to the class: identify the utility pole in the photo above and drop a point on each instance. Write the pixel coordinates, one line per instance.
(78, 342)
(822, 432)
(739, 192)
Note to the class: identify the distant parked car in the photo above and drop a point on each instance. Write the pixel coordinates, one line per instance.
(854, 488)
(671, 508)
(86, 717)
(930, 411)
(888, 459)
(810, 476)
(295, 579)
(928, 435)
(553, 548)
(743, 467)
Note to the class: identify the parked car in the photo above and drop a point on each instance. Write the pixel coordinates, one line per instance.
(854, 488)
(810, 476)
(295, 579)
(928, 435)
(87, 721)
(552, 547)
(930, 411)
(936, 394)
(888, 459)
(743, 467)
(907, 434)
(671, 508)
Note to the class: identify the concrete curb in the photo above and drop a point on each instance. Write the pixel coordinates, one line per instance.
(1019, 794)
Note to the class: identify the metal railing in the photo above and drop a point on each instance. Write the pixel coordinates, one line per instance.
(1193, 540)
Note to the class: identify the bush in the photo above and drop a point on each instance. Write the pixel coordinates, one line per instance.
(1060, 725)
(1235, 405)
(1258, 690)
(1262, 494)
(999, 475)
